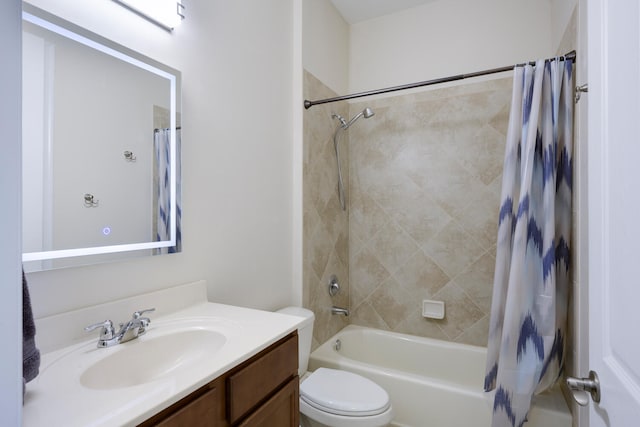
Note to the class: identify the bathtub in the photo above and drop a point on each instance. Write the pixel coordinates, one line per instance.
(431, 383)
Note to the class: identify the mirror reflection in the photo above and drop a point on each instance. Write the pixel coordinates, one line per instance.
(101, 148)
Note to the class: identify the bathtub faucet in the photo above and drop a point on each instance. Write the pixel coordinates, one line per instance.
(339, 310)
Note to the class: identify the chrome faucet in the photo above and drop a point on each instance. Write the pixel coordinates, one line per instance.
(128, 331)
(340, 310)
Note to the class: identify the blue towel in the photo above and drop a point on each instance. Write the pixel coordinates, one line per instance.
(30, 354)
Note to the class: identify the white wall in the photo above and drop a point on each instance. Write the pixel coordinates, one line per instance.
(236, 63)
(10, 222)
(325, 41)
(444, 38)
(297, 155)
(561, 11)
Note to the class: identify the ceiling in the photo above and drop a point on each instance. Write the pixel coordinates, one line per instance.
(354, 11)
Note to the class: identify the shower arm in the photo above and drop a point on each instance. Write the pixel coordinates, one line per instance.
(356, 117)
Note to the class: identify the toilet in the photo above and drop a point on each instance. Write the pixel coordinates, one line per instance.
(335, 398)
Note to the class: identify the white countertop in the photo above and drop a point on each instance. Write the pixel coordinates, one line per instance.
(58, 398)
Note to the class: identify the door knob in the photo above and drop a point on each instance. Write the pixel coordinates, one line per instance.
(581, 386)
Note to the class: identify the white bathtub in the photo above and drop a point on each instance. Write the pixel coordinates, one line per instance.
(431, 383)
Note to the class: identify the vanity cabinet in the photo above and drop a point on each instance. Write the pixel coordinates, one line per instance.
(261, 392)
(281, 410)
(203, 407)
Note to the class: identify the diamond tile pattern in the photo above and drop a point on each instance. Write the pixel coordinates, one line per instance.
(424, 195)
(423, 181)
(325, 225)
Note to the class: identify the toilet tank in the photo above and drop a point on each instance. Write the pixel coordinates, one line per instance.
(305, 334)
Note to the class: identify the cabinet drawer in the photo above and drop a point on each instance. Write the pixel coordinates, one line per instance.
(202, 409)
(281, 410)
(255, 382)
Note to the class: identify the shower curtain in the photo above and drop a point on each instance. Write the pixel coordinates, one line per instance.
(525, 353)
(162, 147)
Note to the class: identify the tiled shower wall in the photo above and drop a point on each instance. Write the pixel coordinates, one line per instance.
(325, 225)
(425, 180)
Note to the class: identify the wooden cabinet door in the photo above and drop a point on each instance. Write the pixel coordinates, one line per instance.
(202, 409)
(252, 383)
(281, 410)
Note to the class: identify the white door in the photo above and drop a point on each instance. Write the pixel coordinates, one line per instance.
(614, 209)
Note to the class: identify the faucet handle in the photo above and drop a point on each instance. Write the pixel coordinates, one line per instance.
(107, 329)
(137, 314)
(143, 321)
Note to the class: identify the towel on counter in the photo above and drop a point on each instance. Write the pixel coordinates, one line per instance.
(30, 354)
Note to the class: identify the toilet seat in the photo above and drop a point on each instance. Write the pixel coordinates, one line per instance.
(344, 393)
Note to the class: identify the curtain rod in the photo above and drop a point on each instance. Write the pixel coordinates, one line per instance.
(570, 56)
(159, 129)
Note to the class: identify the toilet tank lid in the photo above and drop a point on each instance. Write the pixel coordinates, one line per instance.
(298, 312)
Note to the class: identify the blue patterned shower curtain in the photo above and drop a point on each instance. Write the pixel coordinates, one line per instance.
(162, 146)
(525, 353)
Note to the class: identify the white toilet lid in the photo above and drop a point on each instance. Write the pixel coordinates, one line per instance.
(343, 393)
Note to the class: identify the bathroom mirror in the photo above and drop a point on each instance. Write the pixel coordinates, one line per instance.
(101, 148)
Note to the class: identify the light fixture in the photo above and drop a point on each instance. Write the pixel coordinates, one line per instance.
(164, 13)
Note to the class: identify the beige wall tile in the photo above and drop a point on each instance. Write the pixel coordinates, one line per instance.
(480, 217)
(477, 281)
(366, 217)
(366, 274)
(392, 302)
(325, 225)
(366, 315)
(427, 169)
(423, 192)
(392, 246)
(477, 334)
(415, 324)
(453, 249)
(461, 312)
(421, 277)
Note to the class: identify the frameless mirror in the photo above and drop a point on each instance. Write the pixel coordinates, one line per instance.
(101, 148)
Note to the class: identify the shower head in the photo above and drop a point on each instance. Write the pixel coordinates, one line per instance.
(367, 112)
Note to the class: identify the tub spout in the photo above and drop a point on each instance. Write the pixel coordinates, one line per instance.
(339, 310)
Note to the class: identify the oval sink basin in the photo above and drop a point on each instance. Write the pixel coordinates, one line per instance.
(147, 358)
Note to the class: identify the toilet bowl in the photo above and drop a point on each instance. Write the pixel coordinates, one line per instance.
(332, 397)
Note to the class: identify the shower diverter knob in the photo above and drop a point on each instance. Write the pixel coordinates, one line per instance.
(334, 287)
